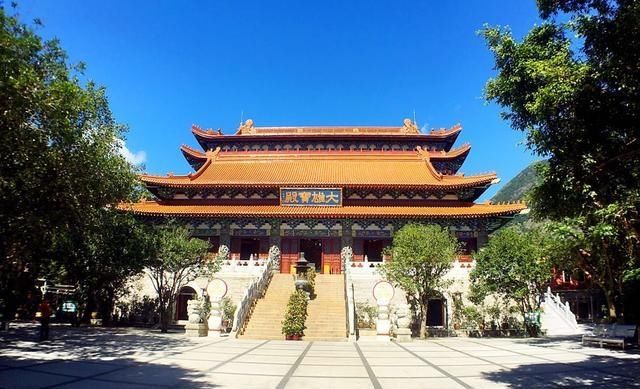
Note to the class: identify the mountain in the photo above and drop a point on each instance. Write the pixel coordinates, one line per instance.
(517, 188)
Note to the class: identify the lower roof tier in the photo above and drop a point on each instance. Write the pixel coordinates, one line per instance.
(458, 211)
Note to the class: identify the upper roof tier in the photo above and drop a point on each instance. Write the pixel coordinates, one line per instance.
(408, 129)
(368, 169)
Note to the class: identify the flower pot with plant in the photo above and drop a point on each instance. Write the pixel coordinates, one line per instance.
(294, 319)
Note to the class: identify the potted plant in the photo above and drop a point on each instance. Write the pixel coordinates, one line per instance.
(310, 275)
(293, 324)
(228, 312)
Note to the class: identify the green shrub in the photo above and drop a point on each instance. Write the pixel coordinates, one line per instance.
(310, 275)
(228, 310)
(366, 314)
(296, 314)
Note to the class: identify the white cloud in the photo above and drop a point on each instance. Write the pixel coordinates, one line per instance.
(136, 158)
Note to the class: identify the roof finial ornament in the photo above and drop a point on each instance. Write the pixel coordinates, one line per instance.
(409, 127)
(247, 127)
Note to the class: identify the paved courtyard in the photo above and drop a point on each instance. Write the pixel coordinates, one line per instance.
(129, 358)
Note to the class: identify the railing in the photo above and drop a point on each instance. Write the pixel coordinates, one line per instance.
(364, 267)
(563, 310)
(252, 265)
(350, 304)
(251, 294)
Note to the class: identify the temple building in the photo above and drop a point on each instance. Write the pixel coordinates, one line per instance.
(318, 189)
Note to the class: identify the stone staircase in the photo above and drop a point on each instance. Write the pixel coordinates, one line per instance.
(327, 318)
(265, 322)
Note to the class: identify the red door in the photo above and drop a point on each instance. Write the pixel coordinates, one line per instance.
(289, 253)
(331, 256)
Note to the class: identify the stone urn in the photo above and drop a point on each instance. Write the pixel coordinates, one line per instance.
(403, 322)
(196, 327)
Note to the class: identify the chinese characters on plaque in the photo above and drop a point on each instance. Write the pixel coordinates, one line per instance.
(311, 197)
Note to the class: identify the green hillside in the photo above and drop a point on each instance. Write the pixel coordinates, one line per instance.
(517, 188)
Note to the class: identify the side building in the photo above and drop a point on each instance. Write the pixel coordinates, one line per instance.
(319, 190)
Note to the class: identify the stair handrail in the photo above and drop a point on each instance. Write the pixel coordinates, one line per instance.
(251, 294)
(563, 309)
(350, 305)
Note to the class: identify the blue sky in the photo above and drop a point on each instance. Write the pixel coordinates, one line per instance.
(167, 65)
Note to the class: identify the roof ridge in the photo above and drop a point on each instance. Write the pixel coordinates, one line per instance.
(427, 159)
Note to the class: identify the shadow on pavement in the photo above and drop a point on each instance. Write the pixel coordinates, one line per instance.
(593, 371)
(98, 358)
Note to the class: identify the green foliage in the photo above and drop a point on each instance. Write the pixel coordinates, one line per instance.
(366, 314)
(61, 174)
(178, 259)
(310, 275)
(514, 266)
(296, 314)
(422, 255)
(228, 310)
(581, 110)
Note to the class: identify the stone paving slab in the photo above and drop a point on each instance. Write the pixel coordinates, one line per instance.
(133, 358)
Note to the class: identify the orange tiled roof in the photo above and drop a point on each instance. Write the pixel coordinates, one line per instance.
(327, 169)
(248, 129)
(460, 210)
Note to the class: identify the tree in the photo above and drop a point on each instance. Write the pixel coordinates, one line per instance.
(61, 171)
(514, 267)
(107, 253)
(578, 101)
(422, 255)
(179, 260)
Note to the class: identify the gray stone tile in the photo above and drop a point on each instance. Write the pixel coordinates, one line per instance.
(222, 380)
(152, 375)
(463, 361)
(410, 361)
(97, 384)
(18, 378)
(330, 371)
(279, 359)
(74, 368)
(253, 368)
(331, 361)
(328, 382)
(419, 383)
(405, 371)
(472, 371)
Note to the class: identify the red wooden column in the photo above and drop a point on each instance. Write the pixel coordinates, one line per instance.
(358, 249)
(331, 256)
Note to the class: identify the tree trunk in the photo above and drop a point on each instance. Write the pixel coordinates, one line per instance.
(166, 316)
(423, 317)
(611, 306)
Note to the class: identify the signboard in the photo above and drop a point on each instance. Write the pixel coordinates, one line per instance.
(372, 234)
(311, 197)
(250, 232)
(311, 233)
(69, 306)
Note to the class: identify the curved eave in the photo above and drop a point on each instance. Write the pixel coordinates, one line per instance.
(194, 157)
(460, 152)
(463, 211)
(185, 182)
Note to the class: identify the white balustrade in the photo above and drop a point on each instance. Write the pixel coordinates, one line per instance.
(253, 292)
(554, 302)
